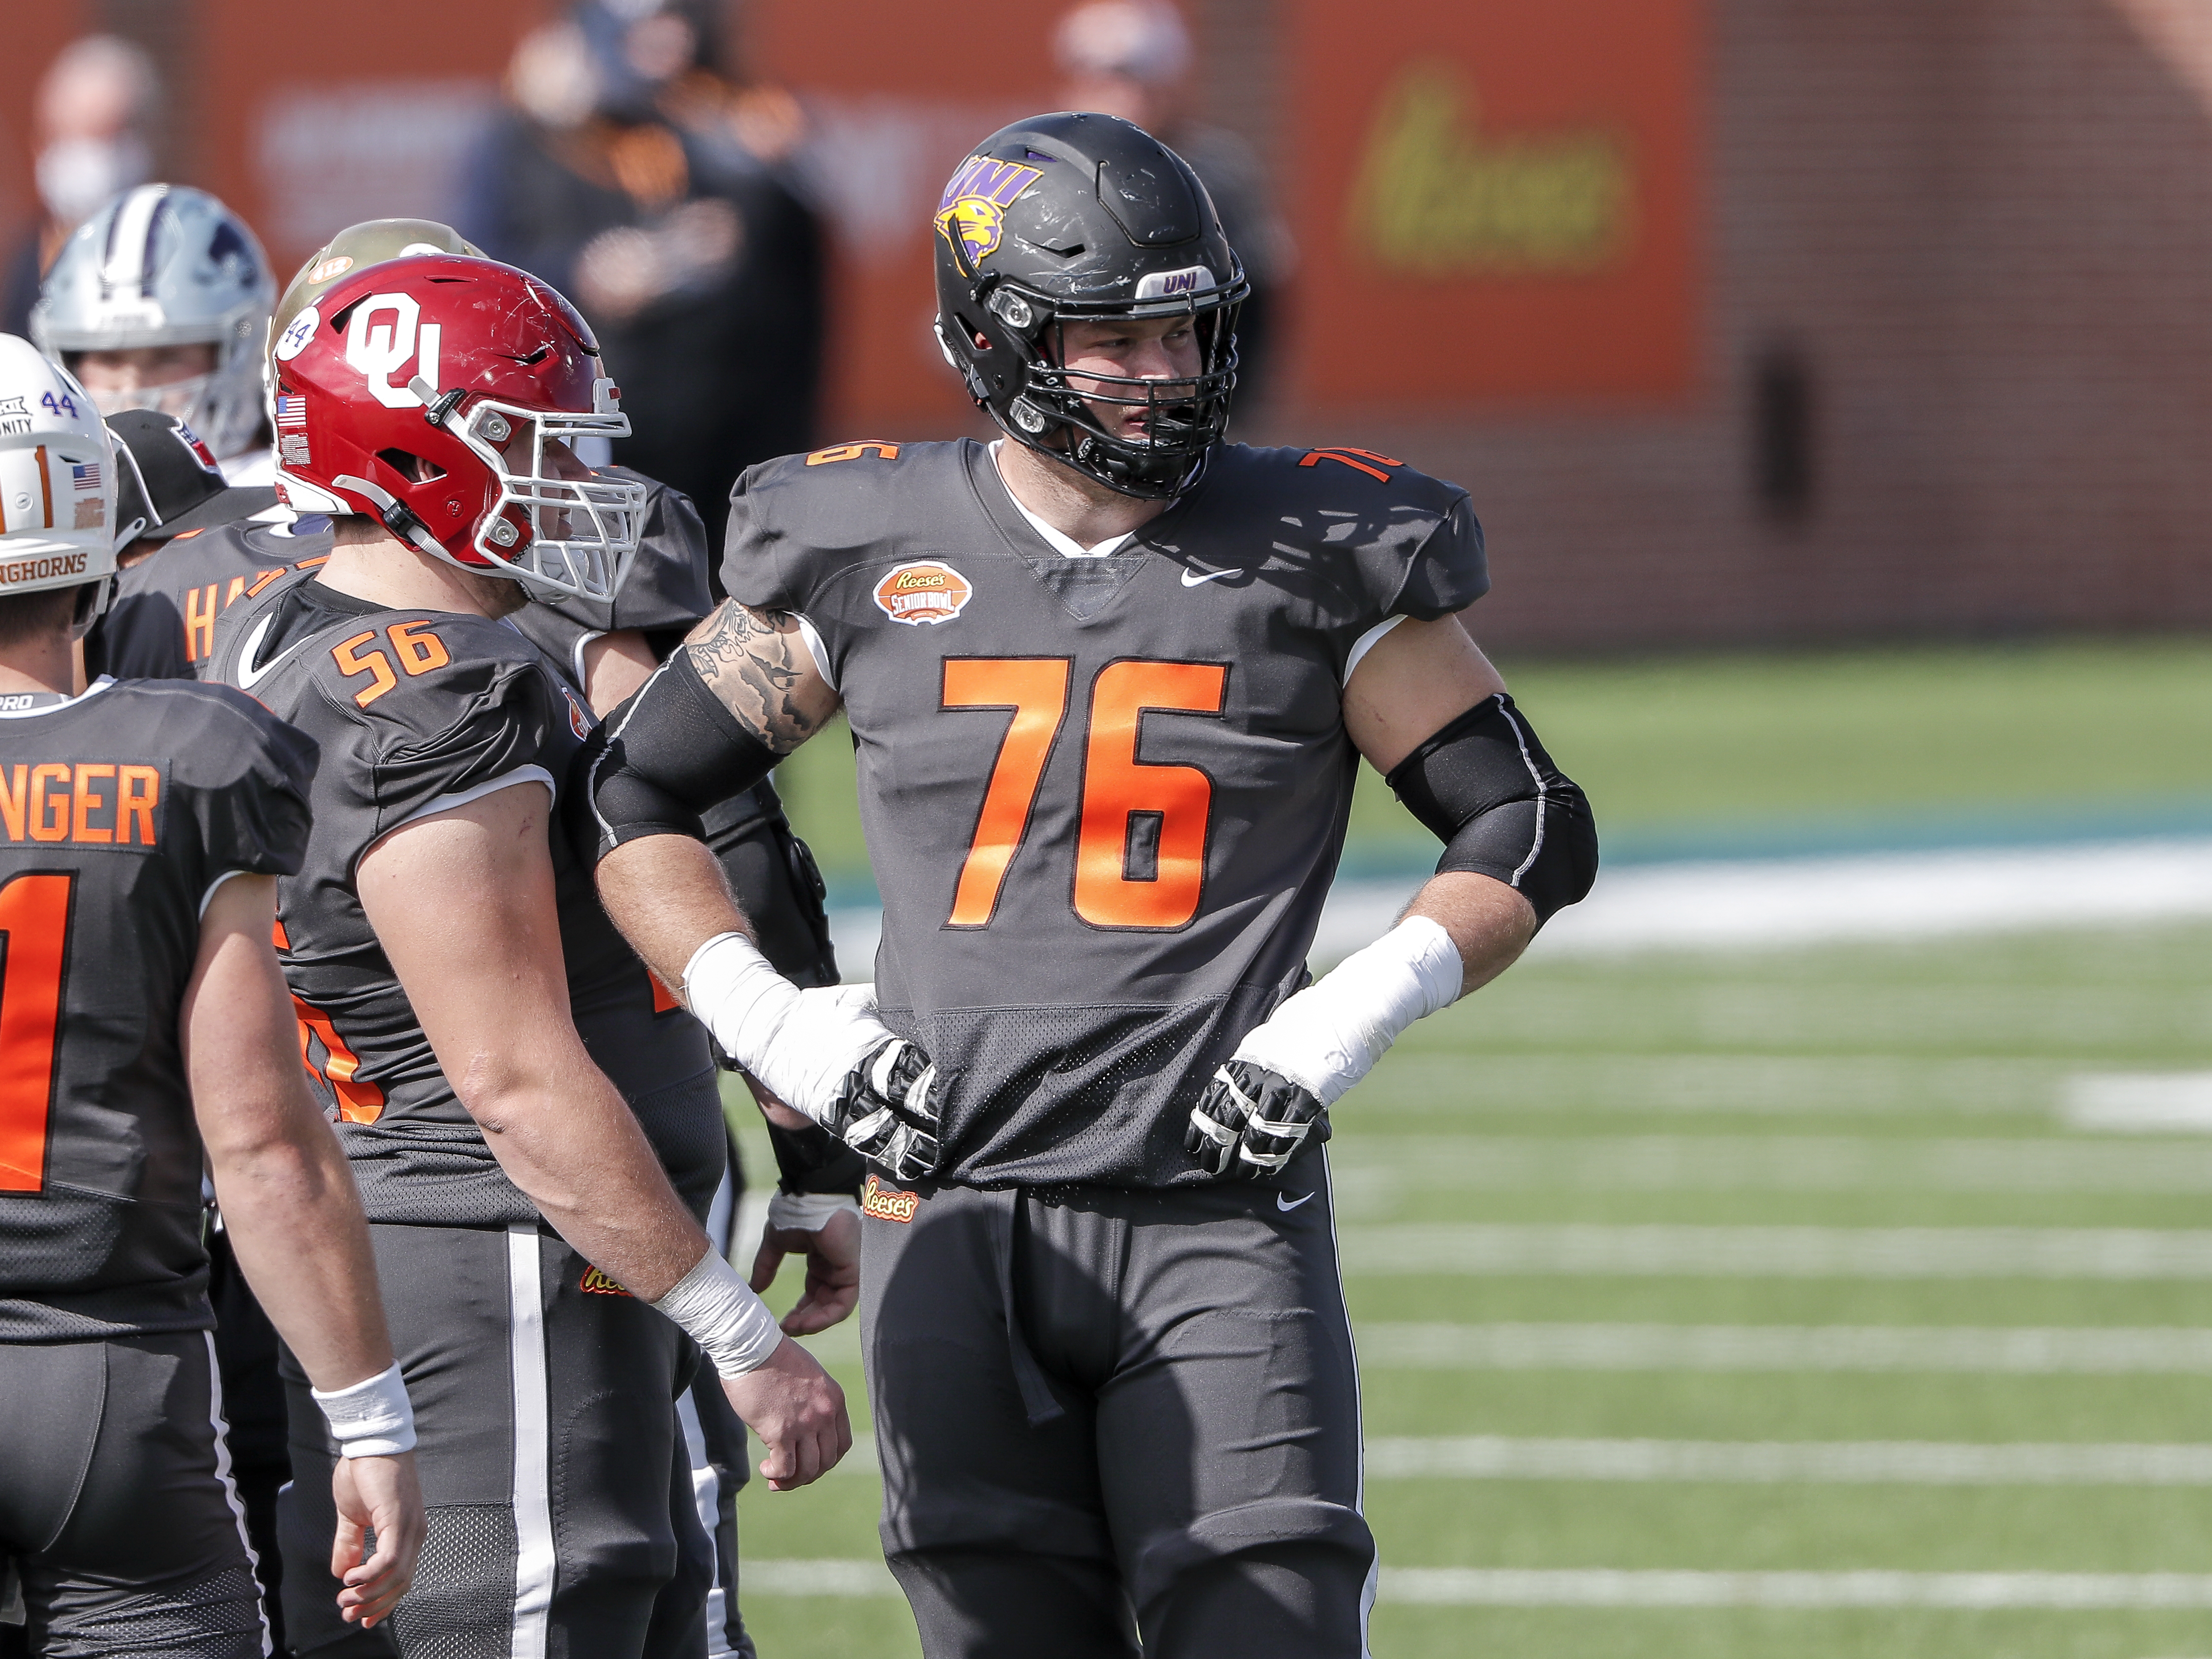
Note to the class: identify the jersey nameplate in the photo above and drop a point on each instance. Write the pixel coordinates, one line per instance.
(81, 803)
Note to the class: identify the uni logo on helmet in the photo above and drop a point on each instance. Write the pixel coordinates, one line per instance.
(926, 591)
(972, 212)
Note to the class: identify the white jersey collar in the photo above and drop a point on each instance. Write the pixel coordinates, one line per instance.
(1059, 540)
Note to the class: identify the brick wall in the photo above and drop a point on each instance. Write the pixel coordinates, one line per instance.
(1982, 230)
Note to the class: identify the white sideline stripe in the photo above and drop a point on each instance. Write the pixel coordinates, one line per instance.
(1900, 1462)
(1852, 1084)
(2139, 1102)
(1778, 903)
(1601, 1587)
(2024, 1350)
(1475, 1249)
(1372, 1164)
(532, 1494)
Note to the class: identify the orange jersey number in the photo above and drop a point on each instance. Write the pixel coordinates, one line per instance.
(34, 914)
(418, 649)
(1140, 855)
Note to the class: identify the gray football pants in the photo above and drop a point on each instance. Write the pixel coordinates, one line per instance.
(562, 1523)
(116, 1500)
(1110, 1419)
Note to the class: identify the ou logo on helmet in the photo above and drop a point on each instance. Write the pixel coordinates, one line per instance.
(385, 331)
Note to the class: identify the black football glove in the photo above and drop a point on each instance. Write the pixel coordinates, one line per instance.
(888, 1110)
(1249, 1122)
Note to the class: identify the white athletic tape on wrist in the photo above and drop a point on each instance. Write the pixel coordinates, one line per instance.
(370, 1419)
(731, 1325)
(800, 1045)
(808, 1212)
(1329, 1036)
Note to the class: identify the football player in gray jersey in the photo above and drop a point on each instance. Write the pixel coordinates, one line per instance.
(1109, 679)
(536, 1132)
(144, 1028)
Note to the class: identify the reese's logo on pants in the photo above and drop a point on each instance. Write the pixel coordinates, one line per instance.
(888, 1203)
(599, 1284)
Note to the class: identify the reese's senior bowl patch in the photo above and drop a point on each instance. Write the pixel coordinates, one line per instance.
(887, 1203)
(923, 592)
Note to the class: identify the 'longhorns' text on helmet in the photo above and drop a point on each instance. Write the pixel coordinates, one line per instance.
(1081, 217)
(162, 265)
(57, 481)
(441, 394)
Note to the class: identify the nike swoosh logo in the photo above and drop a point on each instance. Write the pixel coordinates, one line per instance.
(1286, 1204)
(248, 675)
(1191, 578)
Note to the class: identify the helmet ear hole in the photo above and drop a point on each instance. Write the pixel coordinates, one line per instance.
(416, 469)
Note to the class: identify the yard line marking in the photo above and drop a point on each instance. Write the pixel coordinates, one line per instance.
(1480, 1249)
(2138, 1102)
(1780, 1084)
(2023, 1351)
(1374, 1164)
(800, 1578)
(1900, 1462)
(1600, 1587)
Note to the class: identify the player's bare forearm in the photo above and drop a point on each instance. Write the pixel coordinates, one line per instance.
(756, 663)
(1488, 921)
(288, 1198)
(464, 905)
(668, 895)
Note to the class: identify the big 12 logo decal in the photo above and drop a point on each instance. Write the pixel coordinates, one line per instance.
(385, 331)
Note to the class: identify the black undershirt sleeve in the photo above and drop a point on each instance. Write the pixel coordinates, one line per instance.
(1485, 787)
(661, 759)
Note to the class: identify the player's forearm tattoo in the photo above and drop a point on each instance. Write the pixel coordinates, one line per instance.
(753, 661)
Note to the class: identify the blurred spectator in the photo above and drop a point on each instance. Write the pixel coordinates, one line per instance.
(95, 103)
(653, 191)
(1132, 58)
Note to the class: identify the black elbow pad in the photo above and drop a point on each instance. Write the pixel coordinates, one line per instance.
(1485, 787)
(660, 759)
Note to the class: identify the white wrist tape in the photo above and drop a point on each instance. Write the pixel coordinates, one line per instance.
(800, 1045)
(372, 1419)
(712, 1307)
(1329, 1036)
(807, 1212)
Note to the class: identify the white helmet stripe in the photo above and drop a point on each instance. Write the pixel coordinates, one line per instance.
(130, 262)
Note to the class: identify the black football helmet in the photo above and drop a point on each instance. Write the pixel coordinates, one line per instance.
(1082, 216)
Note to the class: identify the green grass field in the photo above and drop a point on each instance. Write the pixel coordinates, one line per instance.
(1488, 1173)
(1832, 1077)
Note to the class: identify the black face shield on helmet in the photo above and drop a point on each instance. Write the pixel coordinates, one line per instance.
(1068, 218)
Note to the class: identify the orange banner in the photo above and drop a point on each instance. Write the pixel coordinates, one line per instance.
(1496, 202)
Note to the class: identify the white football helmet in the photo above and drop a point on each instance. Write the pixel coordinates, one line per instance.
(57, 525)
(164, 264)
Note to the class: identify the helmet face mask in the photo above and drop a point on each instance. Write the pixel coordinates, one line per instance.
(577, 528)
(440, 395)
(1069, 218)
(164, 265)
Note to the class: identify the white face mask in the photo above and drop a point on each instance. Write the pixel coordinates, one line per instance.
(77, 177)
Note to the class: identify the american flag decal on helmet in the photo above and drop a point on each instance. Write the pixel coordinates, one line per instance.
(291, 412)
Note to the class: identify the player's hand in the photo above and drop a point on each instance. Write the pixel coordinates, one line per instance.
(832, 1058)
(833, 1270)
(1249, 1122)
(379, 1494)
(799, 1413)
(889, 1111)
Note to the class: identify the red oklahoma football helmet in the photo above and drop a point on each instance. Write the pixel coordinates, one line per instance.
(438, 393)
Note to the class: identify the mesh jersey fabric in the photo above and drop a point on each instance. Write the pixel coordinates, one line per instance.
(405, 728)
(118, 810)
(1104, 798)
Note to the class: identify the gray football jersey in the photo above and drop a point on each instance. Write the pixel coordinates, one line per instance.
(1103, 797)
(118, 812)
(417, 712)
